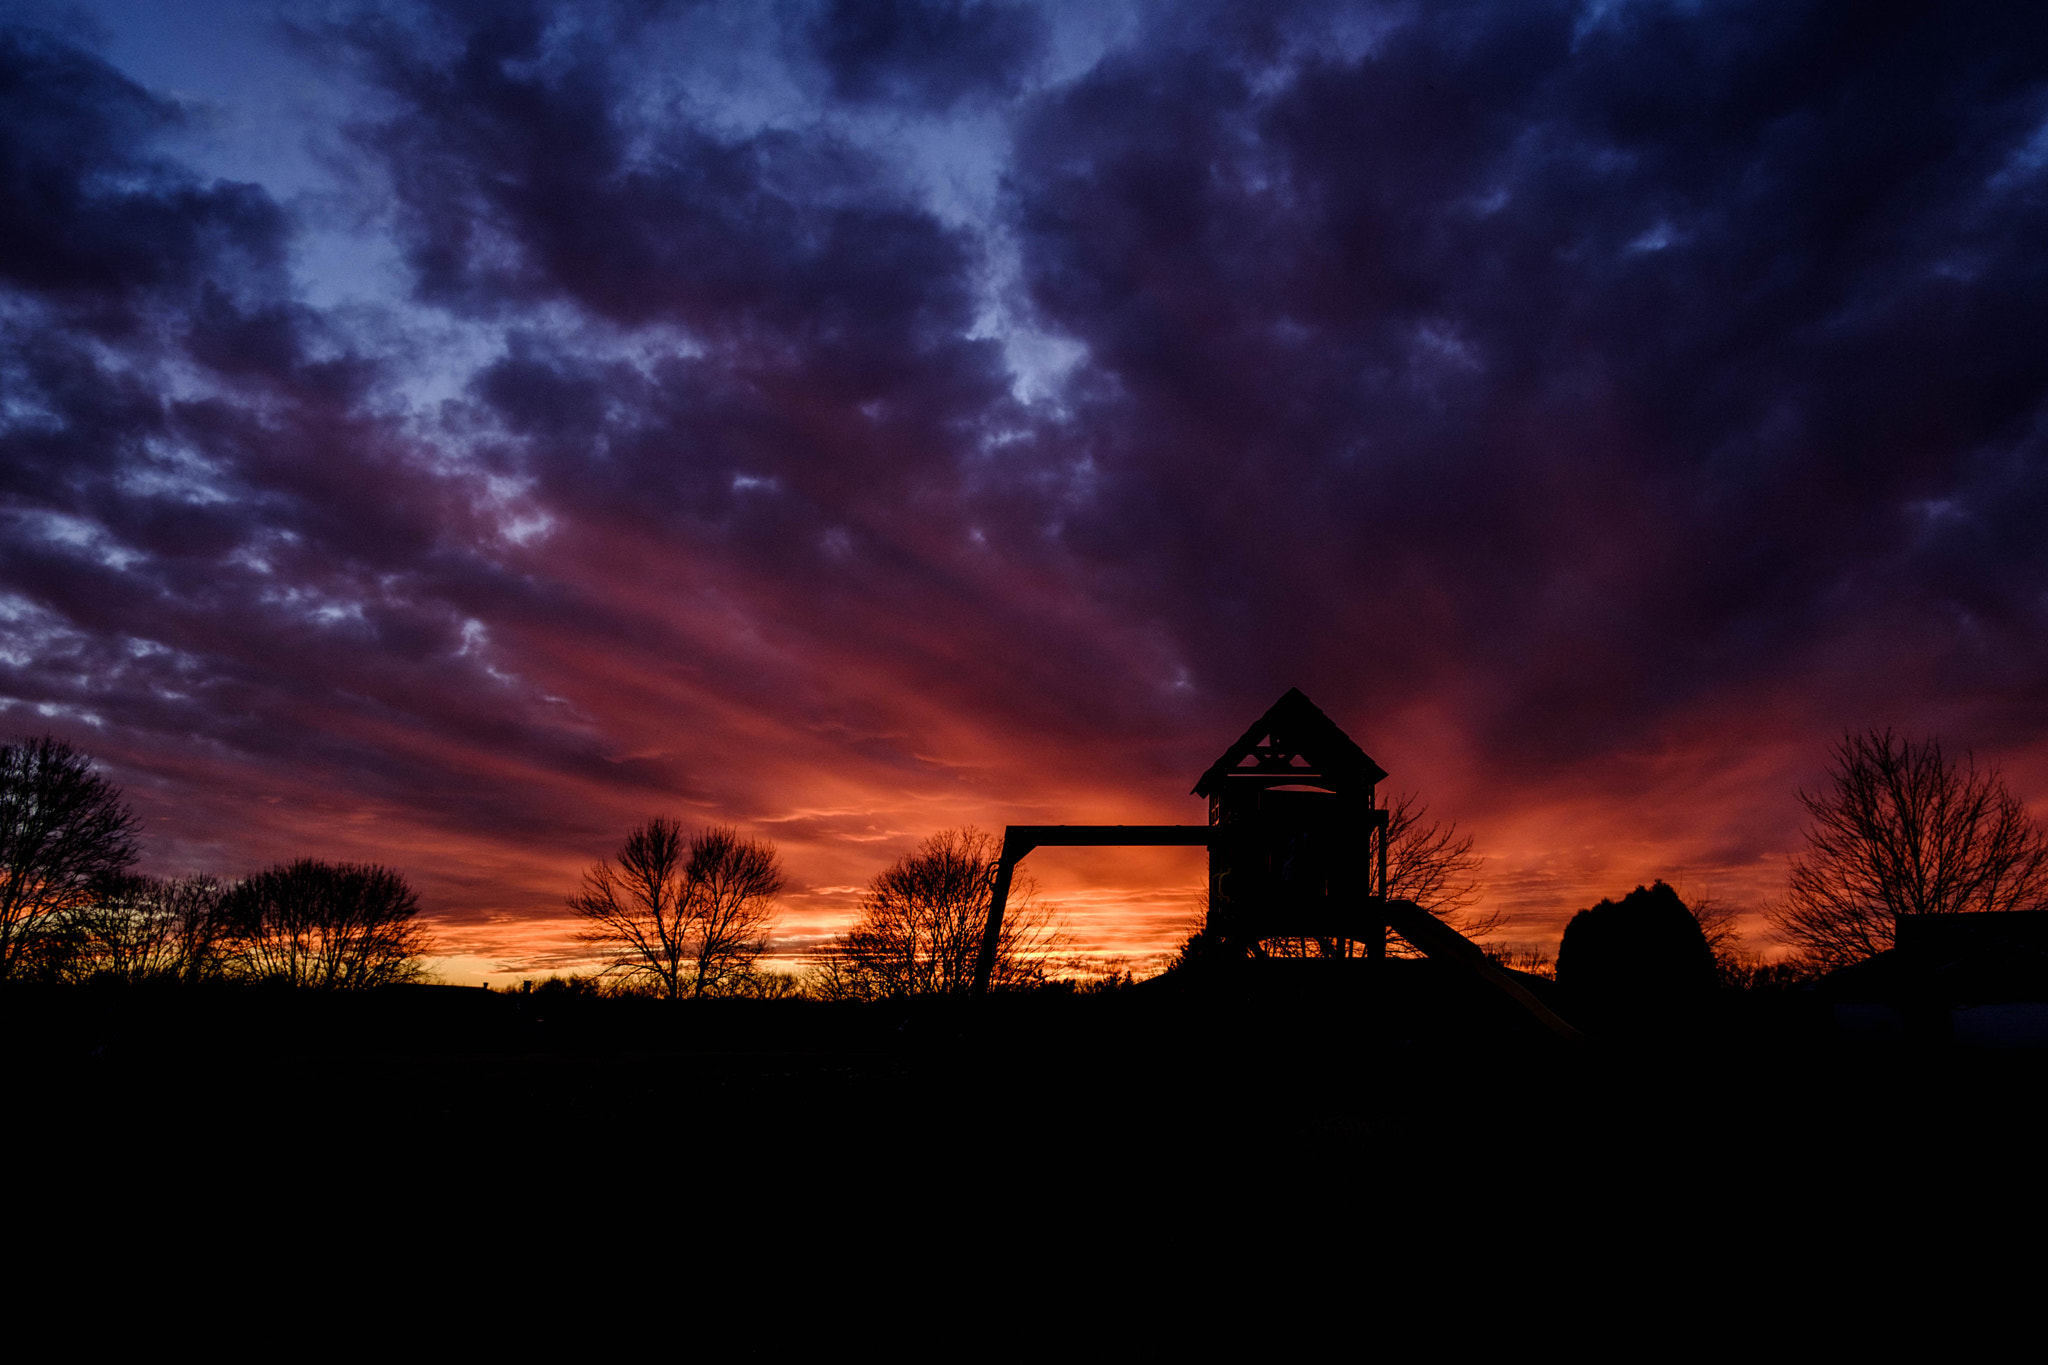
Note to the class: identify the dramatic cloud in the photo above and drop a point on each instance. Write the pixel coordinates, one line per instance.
(927, 56)
(849, 420)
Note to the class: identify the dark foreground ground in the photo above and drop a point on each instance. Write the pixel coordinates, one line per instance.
(1222, 1130)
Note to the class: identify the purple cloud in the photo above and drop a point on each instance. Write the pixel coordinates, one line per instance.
(870, 418)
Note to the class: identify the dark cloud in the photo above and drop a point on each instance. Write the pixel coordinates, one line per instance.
(210, 532)
(926, 54)
(88, 214)
(524, 173)
(829, 313)
(1631, 339)
(817, 433)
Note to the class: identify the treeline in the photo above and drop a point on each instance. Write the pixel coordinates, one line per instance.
(1902, 829)
(306, 923)
(684, 914)
(676, 914)
(71, 911)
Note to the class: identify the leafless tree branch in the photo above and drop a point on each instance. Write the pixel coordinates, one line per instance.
(687, 916)
(147, 928)
(65, 835)
(1902, 830)
(330, 926)
(1431, 863)
(923, 918)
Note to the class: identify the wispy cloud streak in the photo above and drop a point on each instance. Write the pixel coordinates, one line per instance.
(869, 418)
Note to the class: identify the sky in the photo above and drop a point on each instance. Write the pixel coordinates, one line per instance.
(447, 435)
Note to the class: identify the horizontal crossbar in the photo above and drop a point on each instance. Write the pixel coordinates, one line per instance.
(1019, 840)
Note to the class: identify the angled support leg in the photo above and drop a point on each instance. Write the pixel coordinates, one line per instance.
(1014, 848)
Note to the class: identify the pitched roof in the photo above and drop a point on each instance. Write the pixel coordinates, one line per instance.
(1982, 957)
(1294, 742)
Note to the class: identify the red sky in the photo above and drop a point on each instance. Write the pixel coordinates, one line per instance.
(446, 437)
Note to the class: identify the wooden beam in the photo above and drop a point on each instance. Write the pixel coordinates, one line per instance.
(1440, 941)
(1019, 840)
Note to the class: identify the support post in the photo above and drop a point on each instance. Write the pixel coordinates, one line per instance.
(1377, 947)
(1014, 848)
(1019, 840)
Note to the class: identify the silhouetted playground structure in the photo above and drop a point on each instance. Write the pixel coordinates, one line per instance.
(1297, 850)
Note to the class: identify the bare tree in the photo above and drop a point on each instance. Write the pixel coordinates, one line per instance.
(1717, 927)
(689, 916)
(1431, 863)
(65, 835)
(735, 882)
(922, 920)
(1526, 958)
(1734, 964)
(1902, 830)
(326, 925)
(147, 928)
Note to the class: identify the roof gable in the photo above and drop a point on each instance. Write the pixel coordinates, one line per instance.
(1294, 742)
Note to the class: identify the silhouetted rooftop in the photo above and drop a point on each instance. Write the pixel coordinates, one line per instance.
(1295, 742)
(1965, 959)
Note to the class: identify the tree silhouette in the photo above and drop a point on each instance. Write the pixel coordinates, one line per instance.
(922, 920)
(689, 916)
(1645, 955)
(1431, 863)
(147, 928)
(65, 835)
(325, 925)
(1902, 830)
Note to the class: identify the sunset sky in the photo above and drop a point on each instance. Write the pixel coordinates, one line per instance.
(447, 435)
